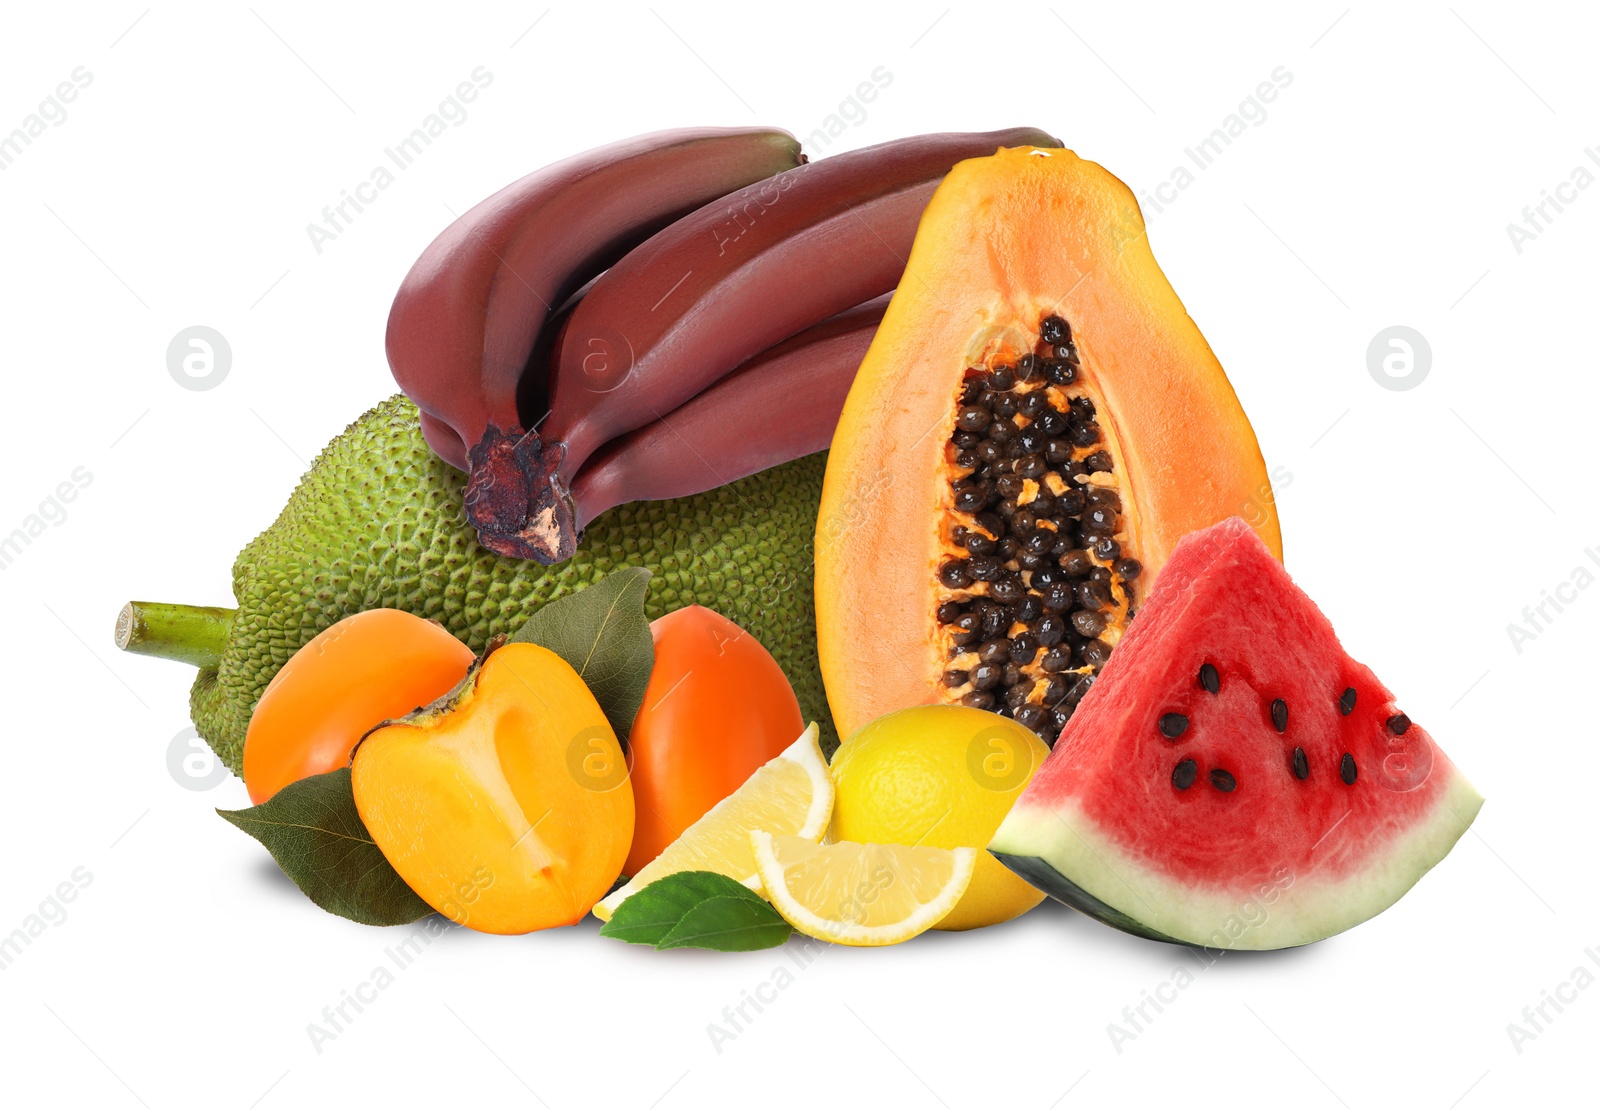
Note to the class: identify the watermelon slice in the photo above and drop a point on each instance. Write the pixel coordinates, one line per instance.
(1234, 780)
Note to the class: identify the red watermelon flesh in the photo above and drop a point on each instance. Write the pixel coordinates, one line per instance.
(1216, 833)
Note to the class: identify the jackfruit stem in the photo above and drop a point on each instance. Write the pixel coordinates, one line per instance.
(189, 634)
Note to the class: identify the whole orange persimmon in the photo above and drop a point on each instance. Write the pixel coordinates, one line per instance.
(372, 666)
(716, 709)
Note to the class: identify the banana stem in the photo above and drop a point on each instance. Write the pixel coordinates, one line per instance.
(190, 634)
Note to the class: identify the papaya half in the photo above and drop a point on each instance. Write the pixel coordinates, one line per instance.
(1035, 426)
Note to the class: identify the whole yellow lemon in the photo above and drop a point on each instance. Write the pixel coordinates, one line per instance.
(940, 776)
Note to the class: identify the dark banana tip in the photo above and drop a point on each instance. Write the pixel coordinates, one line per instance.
(503, 470)
(549, 535)
(515, 498)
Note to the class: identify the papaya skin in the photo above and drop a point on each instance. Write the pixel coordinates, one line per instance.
(506, 805)
(1006, 240)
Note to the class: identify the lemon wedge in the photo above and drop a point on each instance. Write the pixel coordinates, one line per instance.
(789, 795)
(861, 894)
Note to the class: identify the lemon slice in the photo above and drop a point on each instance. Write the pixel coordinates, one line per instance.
(861, 894)
(789, 795)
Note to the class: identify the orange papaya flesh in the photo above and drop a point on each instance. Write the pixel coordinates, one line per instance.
(1035, 426)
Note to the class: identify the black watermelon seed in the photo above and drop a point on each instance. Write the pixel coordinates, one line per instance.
(1347, 769)
(1183, 773)
(1399, 724)
(1172, 724)
(1302, 767)
(1210, 679)
(1347, 701)
(1222, 780)
(1280, 715)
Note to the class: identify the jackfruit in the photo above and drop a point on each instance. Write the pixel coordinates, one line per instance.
(377, 521)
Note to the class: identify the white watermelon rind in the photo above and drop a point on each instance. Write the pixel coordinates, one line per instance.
(1058, 849)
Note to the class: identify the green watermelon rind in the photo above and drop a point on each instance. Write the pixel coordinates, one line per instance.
(1047, 879)
(1059, 851)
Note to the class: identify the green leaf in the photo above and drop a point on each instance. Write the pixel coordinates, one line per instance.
(652, 912)
(312, 829)
(602, 632)
(728, 924)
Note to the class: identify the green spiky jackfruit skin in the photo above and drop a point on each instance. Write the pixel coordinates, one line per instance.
(377, 521)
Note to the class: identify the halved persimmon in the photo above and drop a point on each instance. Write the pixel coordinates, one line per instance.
(505, 804)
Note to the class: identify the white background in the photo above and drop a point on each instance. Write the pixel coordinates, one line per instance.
(1377, 192)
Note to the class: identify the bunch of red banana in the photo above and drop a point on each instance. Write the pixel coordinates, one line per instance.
(656, 318)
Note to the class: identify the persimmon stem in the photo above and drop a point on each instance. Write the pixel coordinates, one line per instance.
(190, 634)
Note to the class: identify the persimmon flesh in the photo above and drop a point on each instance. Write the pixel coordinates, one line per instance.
(506, 805)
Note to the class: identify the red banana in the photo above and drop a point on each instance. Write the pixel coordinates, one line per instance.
(443, 441)
(475, 305)
(704, 295)
(778, 406)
